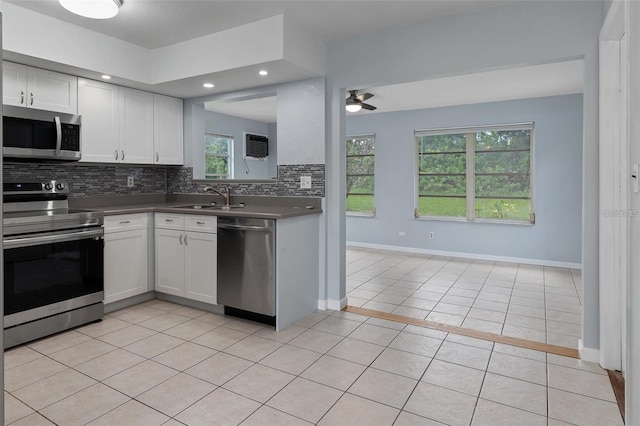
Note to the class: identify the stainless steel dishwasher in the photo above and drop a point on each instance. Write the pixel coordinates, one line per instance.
(246, 267)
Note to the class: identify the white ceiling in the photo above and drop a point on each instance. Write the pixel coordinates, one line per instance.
(561, 78)
(156, 23)
(260, 109)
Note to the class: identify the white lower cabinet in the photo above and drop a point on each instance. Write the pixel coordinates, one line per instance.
(186, 255)
(125, 256)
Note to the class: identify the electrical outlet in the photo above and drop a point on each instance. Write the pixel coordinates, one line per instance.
(401, 233)
(305, 182)
(432, 235)
(129, 181)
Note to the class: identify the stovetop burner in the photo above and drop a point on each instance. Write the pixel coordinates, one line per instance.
(41, 207)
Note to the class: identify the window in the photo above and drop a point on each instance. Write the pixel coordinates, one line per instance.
(218, 156)
(360, 174)
(476, 173)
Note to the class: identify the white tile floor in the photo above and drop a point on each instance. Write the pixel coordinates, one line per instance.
(530, 302)
(161, 363)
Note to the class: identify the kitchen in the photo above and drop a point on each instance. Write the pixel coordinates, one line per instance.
(298, 114)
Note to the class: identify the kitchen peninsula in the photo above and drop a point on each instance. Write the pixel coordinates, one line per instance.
(148, 238)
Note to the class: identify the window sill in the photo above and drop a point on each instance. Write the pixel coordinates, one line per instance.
(360, 214)
(464, 220)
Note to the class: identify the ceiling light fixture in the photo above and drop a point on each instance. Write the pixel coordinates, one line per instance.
(353, 106)
(106, 77)
(95, 9)
(263, 72)
(208, 85)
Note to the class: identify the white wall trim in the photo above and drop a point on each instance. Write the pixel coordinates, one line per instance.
(333, 304)
(540, 262)
(588, 354)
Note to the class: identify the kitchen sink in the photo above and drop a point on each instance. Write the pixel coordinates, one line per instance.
(210, 207)
(230, 207)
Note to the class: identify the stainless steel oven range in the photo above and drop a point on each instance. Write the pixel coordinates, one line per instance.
(53, 262)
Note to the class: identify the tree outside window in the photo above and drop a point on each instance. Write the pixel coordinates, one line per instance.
(218, 156)
(476, 174)
(360, 174)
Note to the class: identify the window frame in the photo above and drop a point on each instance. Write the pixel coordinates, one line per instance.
(229, 157)
(372, 136)
(470, 174)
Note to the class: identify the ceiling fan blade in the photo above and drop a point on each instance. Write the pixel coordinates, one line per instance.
(367, 106)
(363, 97)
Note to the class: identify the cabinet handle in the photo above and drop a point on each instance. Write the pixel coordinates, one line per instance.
(157, 157)
(186, 241)
(124, 222)
(200, 223)
(21, 97)
(122, 155)
(116, 154)
(32, 98)
(180, 239)
(169, 220)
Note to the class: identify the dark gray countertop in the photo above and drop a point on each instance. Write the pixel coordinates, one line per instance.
(256, 207)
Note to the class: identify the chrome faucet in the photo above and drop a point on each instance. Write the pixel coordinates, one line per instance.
(226, 194)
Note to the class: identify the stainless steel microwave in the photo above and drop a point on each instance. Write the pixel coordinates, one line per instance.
(38, 134)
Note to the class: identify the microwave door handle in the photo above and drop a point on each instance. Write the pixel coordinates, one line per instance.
(58, 135)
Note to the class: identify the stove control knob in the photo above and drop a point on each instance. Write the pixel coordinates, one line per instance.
(48, 186)
(59, 186)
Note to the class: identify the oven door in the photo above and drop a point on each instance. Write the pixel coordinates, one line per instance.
(53, 272)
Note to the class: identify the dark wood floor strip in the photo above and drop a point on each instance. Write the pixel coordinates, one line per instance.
(499, 338)
(617, 383)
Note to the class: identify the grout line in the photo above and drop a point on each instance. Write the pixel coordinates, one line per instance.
(498, 338)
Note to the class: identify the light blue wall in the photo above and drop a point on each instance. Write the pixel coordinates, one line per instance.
(234, 126)
(511, 35)
(556, 236)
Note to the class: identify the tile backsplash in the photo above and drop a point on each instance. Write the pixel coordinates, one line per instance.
(89, 180)
(180, 181)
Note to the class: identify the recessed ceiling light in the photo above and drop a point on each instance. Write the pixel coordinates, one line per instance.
(106, 77)
(95, 9)
(263, 72)
(208, 85)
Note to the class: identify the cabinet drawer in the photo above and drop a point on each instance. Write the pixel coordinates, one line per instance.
(126, 222)
(169, 221)
(201, 224)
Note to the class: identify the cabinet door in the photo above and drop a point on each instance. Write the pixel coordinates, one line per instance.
(52, 91)
(169, 261)
(200, 266)
(98, 105)
(167, 130)
(125, 264)
(14, 84)
(136, 126)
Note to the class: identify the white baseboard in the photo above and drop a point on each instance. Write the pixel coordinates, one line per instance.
(588, 354)
(333, 304)
(463, 255)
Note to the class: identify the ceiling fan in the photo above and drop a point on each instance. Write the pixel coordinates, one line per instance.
(355, 102)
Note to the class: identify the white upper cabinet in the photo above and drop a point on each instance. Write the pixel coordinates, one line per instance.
(98, 106)
(167, 130)
(37, 88)
(136, 126)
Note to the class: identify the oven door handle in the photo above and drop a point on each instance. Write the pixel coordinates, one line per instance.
(57, 237)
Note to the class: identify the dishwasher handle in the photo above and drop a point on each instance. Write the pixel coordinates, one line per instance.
(243, 227)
